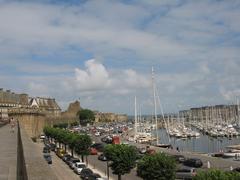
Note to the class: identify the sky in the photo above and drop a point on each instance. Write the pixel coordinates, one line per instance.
(101, 52)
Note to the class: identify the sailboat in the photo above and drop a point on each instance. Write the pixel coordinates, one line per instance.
(140, 134)
(155, 114)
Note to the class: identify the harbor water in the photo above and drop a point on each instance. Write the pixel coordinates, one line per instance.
(202, 144)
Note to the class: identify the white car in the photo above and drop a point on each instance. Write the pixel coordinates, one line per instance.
(97, 133)
(42, 136)
(79, 166)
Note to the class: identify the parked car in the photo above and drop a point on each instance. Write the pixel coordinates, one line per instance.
(60, 152)
(42, 136)
(102, 157)
(85, 173)
(78, 167)
(66, 157)
(48, 158)
(52, 146)
(237, 169)
(46, 149)
(98, 146)
(72, 162)
(185, 173)
(179, 158)
(107, 139)
(93, 176)
(67, 160)
(97, 133)
(93, 151)
(193, 162)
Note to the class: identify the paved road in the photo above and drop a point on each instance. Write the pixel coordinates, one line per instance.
(8, 153)
(60, 168)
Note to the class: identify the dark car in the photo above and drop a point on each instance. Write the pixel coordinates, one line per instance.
(93, 176)
(102, 157)
(46, 149)
(66, 157)
(98, 146)
(107, 139)
(72, 162)
(185, 173)
(85, 173)
(193, 162)
(48, 158)
(237, 169)
(179, 158)
(52, 146)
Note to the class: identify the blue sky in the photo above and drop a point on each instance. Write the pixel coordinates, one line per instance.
(101, 52)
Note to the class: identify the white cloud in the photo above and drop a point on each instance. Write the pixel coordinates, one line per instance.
(203, 36)
(93, 78)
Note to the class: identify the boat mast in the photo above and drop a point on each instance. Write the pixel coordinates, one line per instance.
(135, 124)
(238, 112)
(155, 103)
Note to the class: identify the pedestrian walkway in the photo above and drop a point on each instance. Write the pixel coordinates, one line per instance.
(8, 153)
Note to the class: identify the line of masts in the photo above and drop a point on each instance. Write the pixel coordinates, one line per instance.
(176, 126)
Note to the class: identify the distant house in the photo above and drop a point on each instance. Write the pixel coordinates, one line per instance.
(47, 105)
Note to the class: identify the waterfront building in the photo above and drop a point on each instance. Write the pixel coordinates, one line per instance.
(109, 117)
(227, 113)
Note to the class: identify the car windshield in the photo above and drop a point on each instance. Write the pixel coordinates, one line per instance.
(87, 171)
(81, 166)
(184, 170)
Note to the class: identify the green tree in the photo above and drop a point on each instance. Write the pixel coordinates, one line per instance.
(216, 174)
(86, 116)
(122, 157)
(61, 125)
(67, 139)
(72, 142)
(156, 167)
(75, 123)
(82, 145)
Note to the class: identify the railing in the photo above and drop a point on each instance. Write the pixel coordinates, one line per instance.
(21, 166)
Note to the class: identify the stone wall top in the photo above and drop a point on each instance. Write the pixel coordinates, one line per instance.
(37, 167)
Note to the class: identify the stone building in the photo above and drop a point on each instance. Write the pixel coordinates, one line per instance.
(227, 113)
(70, 115)
(10, 100)
(46, 105)
(109, 117)
(33, 113)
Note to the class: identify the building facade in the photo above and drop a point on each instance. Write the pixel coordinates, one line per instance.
(10, 101)
(109, 117)
(227, 113)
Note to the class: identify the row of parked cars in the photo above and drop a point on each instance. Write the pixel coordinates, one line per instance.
(46, 155)
(74, 163)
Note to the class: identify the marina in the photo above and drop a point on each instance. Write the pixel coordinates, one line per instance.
(201, 144)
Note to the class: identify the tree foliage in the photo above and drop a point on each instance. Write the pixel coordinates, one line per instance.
(75, 123)
(61, 125)
(156, 167)
(86, 116)
(77, 142)
(215, 174)
(83, 144)
(122, 157)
